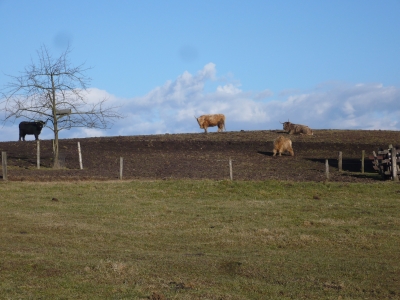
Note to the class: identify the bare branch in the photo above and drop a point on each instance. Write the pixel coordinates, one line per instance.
(52, 84)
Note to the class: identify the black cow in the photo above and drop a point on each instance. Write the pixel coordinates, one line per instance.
(30, 128)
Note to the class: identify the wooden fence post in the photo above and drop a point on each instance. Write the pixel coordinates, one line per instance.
(121, 167)
(80, 155)
(38, 154)
(340, 163)
(327, 169)
(4, 164)
(230, 169)
(394, 164)
(362, 161)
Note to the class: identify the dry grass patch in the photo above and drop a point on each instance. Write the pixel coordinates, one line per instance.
(199, 240)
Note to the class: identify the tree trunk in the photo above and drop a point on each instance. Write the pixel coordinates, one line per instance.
(56, 162)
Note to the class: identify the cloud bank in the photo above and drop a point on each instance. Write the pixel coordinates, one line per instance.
(171, 107)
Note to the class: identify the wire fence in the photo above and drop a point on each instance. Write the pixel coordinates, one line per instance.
(341, 164)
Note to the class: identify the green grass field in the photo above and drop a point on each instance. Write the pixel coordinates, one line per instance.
(199, 240)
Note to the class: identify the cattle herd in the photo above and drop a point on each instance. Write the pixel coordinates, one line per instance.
(281, 143)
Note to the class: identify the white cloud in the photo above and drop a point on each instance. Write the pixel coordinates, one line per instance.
(348, 109)
(171, 107)
(262, 95)
(95, 95)
(228, 89)
(330, 105)
(85, 132)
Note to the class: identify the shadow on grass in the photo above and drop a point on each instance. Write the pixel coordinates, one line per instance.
(374, 176)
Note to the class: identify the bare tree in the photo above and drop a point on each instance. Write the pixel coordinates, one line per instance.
(54, 90)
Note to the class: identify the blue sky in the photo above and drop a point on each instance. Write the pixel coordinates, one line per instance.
(327, 64)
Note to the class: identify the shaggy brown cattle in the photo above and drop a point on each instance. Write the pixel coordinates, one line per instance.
(206, 121)
(282, 144)
(296, 128)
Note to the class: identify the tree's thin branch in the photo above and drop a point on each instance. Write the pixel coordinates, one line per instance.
(52, 84)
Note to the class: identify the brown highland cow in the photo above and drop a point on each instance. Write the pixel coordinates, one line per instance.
(206, 121)
(296, 128)
(282, 144)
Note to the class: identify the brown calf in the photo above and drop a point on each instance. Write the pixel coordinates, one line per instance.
(206, 121)
(282, 144)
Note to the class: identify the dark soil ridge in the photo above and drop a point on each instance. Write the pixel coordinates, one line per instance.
(202, 156)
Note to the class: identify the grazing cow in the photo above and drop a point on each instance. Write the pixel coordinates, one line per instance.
(34, 128)
(296, 128)
(282, 144)
(206, 121)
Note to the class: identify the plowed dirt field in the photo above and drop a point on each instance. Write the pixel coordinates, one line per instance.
(202, 156)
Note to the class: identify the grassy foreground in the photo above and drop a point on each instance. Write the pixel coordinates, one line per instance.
(199, 240)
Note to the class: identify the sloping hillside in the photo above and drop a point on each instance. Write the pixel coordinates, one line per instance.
(202, 156)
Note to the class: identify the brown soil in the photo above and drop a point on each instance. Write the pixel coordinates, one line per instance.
(202, 156)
